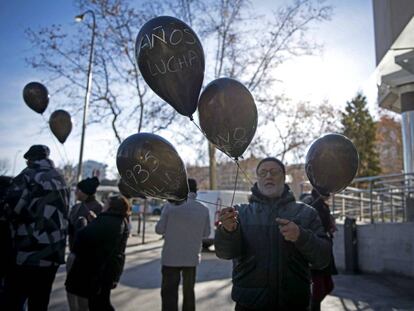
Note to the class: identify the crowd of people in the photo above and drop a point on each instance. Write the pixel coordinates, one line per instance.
(281, 248)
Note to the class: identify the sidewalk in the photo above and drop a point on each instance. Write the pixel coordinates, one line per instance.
(371, 292)
(150, 235)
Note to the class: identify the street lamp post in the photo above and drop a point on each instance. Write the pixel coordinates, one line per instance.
(80, 18)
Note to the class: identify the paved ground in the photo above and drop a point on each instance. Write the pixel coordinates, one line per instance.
(139, 288)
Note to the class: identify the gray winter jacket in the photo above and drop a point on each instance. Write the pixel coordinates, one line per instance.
(184, 226)
(270, 273)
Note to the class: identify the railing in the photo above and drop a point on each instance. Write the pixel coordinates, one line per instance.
(375, 199)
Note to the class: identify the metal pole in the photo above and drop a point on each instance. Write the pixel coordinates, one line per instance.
(143, 220)
(88, 93)
(404, 211)
(392, 205)
(139, 222)
(370, 202)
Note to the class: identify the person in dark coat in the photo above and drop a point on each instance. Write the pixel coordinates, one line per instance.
(272, 240)
(88, 207)
(6, 258)
(38, 213)
(99, 251)
(80, 215)
(322, 282)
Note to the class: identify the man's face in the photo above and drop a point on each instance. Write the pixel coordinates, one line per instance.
(270, 179)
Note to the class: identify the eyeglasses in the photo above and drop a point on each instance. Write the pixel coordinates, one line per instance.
(272, 171)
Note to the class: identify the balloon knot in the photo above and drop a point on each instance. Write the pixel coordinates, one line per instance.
(191, 118)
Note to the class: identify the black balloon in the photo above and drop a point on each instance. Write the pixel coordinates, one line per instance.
(128, 192)
(150, 165)
(36, 96)
(60, 124)
(331, 163)
(228, 115)
(171, 60)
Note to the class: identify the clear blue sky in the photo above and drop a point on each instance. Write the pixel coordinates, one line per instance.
(346, 66)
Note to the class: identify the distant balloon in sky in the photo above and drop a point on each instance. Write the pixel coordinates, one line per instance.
(170, 57)
(60, 124)
(331, 163)
(150, 165)
(36, 96)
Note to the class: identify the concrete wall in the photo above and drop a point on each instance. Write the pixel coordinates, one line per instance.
(382, 248)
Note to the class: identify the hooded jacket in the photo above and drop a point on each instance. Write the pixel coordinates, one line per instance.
(270, 273)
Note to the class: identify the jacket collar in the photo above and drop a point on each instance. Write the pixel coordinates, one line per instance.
(286, 197)
(42, 164)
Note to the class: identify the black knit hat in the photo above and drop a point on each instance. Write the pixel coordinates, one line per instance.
(88, 185)
(37, 152)
(272, 159)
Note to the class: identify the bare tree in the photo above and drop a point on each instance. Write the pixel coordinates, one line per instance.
(236, 46)
(290, 127)
(120, 97)
(4, 166)
(240, 47)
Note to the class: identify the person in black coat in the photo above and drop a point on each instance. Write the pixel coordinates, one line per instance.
(6, 259)
(272, 241)
(99, 251)
(79, 216)
(322, 283)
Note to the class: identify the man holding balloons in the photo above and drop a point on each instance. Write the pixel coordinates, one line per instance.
(272, 240)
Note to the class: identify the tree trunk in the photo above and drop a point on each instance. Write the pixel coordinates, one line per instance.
(212, 166)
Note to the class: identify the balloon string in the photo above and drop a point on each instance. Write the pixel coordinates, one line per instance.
(211, 203)
(57, 147)
(61, 157)
(235, 183)
(244, 172)
(202, 132)
(66, 154)
(233, 159)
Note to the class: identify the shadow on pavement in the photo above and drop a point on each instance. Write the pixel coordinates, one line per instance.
(148, 275)
(142, 250)
(373, 292)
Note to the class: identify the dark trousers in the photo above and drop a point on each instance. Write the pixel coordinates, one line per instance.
(102, 301)
(239, 307)
(33, 284)
(169, 289)
(322, 285)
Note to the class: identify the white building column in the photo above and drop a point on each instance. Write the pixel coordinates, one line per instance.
(407, 127)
